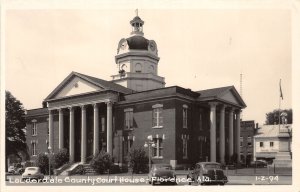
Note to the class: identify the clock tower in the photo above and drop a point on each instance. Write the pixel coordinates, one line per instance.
(137, 60)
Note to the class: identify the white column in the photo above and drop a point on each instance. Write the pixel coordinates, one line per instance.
(213, 131)
(109, 128)
(230, 137)
(51, 134)
(96, 130)
(61, 129)
(222, 134)
(71, 136)
(83, 134)
(238, 135)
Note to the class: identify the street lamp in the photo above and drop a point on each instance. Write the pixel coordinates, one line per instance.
(149, 143)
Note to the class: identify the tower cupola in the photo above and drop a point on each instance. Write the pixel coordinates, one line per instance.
(137, 25)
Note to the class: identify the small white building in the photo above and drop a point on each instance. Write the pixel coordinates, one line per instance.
(273, 143)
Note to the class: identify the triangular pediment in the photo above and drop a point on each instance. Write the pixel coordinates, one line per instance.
(232, 96)
(77, 86)
(227, 95)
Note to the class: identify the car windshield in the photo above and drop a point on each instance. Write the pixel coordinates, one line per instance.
(213, 166)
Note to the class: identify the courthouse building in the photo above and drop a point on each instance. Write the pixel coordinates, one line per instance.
(86, 114)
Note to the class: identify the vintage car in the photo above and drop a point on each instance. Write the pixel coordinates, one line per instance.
(259, 163)
(162, 174)
(33, 173)
(206, 173)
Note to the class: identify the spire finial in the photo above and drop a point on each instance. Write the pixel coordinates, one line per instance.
(137, 12)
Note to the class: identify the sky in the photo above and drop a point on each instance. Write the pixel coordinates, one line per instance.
(198, 49)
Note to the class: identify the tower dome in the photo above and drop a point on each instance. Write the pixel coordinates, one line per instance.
(137, 42)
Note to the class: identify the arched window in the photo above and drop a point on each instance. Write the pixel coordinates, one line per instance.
(151, 69)
(124, 67)
(138, 68)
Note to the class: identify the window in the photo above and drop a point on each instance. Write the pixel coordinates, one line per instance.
(202, 140)
(185, 146)
(47, 126)
(157, 119)
(185, 116)
(34, 128)
(138, 68)
(128, 118)
(151, 69)
(102, 124)
(157, 149)
(128, 143)
(33, 148)
(261, 144)
(200, 122)
(249, 141)
(271, 144)
(241, 141)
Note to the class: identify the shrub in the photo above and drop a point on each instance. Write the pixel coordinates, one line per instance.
(124, 168)
(79, 170)
(42, 162)
(28, 164)
(138, 161)
(60, 158)
(101, 162)
(114, 169)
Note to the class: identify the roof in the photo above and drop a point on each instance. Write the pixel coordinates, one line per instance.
(36, 112)
(219, 94)
(107, 85)
(136, 19)
(215, 92)
(266, 131)
(137, 42)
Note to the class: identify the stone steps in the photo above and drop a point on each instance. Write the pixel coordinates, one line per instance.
(88, 170)
(72, 167)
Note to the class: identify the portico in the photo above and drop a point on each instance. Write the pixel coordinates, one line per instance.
(83, 129)
(75, 107)
(224, 106)
(213, 131)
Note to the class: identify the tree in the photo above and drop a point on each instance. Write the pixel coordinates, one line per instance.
(138, 161)
(15, 140)
(60, 158)
(273, 117)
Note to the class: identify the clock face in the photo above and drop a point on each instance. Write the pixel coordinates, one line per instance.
(152, 46)
(123, 46)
